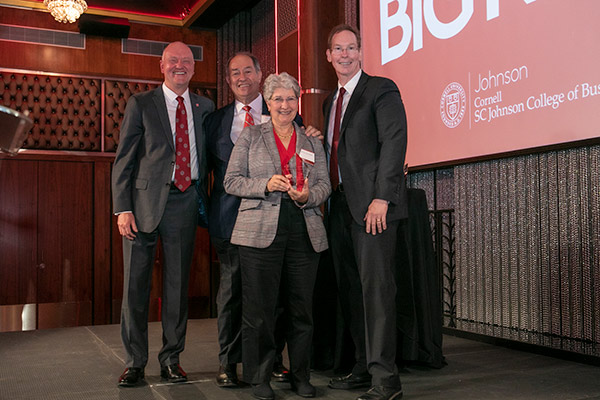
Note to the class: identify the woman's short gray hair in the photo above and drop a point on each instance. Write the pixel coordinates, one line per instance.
(283, 80)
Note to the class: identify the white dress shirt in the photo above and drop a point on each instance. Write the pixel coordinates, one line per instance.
(349, 86)
(239, 116)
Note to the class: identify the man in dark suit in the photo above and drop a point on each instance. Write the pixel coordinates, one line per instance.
(366, 140)
(159, 185)
(222, 128)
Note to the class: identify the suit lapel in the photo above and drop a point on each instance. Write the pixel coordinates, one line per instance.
(266, 130)
(327, 108)
(302, 142)
(327, 104)
(354, 101)
(226, 123)
(163, 115)
(301, 139)
(197, 114)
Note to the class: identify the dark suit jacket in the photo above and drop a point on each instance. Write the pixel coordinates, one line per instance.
(145, 158)
(223, 207)
(372, 147)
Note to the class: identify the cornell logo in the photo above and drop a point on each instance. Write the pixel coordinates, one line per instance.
(453, 104)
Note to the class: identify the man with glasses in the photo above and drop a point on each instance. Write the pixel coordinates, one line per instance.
(366, 141)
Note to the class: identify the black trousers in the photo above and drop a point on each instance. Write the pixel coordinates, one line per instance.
(365, 271)
(290, 262)
(177, 232)
(229, 306)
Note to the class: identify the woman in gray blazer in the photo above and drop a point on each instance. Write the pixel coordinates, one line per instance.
(281, 176)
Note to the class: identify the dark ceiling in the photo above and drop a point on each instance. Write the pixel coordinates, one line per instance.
(221, 11)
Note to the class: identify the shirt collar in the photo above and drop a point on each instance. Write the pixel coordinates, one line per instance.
(171, 96)
(256, 105)
(351, 84)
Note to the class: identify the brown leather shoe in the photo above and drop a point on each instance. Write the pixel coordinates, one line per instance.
(227, 376)
(280, 373)
(131, 377)
(173, 373)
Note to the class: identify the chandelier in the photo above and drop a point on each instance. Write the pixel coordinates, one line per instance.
(66, 10)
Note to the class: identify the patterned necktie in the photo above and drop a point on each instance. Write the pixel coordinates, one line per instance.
(333, 159)
(183, 175)
(248, 120)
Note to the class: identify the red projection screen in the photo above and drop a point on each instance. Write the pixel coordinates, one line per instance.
(484, 77)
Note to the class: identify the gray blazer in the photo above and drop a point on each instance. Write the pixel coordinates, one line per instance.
(145, 159)
(254, 160)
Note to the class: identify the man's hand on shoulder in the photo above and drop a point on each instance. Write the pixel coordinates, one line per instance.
(314, 132)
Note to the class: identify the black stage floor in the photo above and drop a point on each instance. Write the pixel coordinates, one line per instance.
(85, 362)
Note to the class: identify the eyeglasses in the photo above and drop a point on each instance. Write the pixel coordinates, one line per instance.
(350, 49)
(184, 60)
(279, 100)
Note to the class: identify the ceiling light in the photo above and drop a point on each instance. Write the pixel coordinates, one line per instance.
(66, 10)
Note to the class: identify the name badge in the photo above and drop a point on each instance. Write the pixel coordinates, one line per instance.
(307, 156)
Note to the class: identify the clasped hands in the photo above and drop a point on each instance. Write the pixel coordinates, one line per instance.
(282, 183)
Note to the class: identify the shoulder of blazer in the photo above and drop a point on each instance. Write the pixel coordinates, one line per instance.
(301, 138)
(375, 83)
(255, 132)
(206, 105)
(266, 128)
(217, 117)
(148, 95)
(156, 92)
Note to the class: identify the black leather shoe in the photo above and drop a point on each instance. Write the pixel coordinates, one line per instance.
(280, 373)
(381, 393)
(173, 373)
(263, 391)
(350, 381)
(303, 388)
(227, 376)
(131, 377)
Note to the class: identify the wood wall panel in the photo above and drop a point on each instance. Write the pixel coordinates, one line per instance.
(18, 230)
(288, 54)
(317, 18)
(102, 56)
(65, 231)
(102, 249)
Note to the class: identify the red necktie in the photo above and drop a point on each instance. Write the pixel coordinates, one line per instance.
(183, 175)
(248, 120)
(333, 159)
